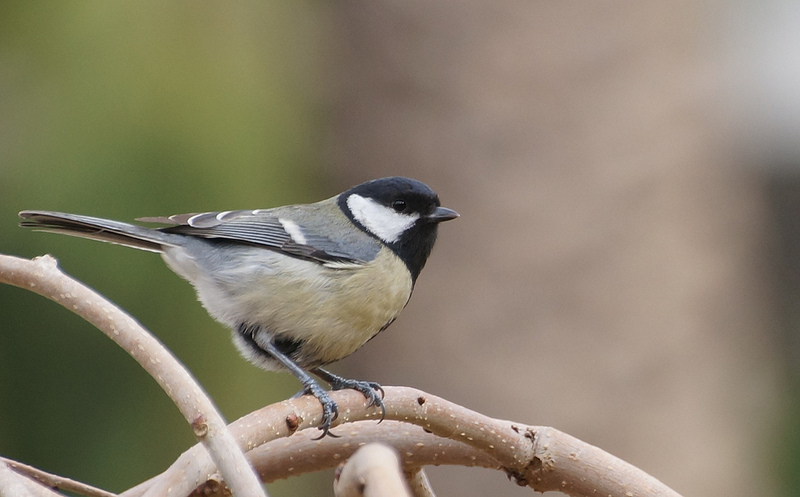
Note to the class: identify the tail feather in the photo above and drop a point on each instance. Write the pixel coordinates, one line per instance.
(95, 228)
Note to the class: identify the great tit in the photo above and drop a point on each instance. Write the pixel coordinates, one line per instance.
(301, 286)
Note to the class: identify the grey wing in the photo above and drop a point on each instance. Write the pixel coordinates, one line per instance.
(266, 228)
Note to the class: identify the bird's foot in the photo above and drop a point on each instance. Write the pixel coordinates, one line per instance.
(330, 411)
(371, 390)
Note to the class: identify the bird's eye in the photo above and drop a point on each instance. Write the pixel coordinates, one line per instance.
(399, 205)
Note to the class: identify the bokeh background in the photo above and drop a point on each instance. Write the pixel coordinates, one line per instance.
(625, 268)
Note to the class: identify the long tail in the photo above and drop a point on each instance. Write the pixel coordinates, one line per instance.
(95, 228)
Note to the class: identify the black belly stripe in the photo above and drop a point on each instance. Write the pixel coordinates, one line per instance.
(248, 333)
(286, 346)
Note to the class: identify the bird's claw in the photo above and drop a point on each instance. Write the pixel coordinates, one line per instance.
(330, 411)
(371, 390)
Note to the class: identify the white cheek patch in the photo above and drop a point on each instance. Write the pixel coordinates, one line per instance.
(294, 231)
(383, 222)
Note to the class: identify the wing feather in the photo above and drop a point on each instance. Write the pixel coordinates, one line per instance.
(258, 227)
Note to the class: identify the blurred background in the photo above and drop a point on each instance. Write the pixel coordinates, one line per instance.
(626, 267)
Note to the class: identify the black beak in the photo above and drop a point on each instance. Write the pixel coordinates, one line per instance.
(442, 214)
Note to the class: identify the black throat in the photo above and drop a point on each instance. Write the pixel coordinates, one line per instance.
(415, 245)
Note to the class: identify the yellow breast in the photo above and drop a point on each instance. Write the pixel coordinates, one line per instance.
(334, 311)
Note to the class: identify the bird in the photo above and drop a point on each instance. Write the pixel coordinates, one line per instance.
(300, 286)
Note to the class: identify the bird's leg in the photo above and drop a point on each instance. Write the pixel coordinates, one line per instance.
(330, 411)
(369, 389)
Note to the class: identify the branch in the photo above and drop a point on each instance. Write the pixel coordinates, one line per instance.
(540, 457)
(302, 453)
(372, 471)
(277, 459)
(420, 486)
(13, 484)
(41, 275)
(55, 481)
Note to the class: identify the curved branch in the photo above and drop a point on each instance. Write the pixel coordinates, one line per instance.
(279, 458)
(372, 471)
(303, 453)
(540, 457)
(55, 481)
(420, 486)
(13, 484)
(41, 275)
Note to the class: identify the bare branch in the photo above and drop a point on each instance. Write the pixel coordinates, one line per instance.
(372, 471)
(302, 453)
(13, 484)
(42, 276)
(540, 457)
(55, 481)
(279, 459)
(420, 486)
(566, 464)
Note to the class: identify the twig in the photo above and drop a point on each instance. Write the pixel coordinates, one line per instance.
(55, 481)
(13, 484)
(372, 471)
(419, 484)
(279, 458)
(42, 276)
(303, 453)
(540, 457)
